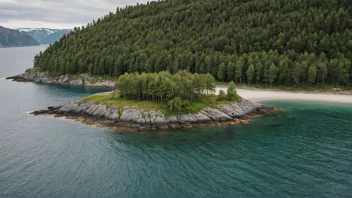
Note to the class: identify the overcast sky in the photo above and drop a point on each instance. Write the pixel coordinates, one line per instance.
(56, 13)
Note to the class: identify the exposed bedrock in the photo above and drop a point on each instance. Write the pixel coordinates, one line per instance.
(144, 120)
(79, 80)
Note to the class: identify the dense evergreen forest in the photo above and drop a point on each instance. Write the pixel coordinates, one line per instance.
(164, 86)
(284, 42)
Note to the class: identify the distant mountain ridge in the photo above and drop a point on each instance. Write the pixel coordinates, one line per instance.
(45, 35)
(15, 38)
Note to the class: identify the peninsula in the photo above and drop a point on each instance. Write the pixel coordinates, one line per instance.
(161, 101)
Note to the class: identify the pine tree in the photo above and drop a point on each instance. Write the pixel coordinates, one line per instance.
(312, 73)
(272, 73)
(250, 73)
(221, 72)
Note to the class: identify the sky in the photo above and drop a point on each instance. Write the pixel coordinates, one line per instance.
(57, 14)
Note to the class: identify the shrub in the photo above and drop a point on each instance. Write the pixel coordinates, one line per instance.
(231, 91)
(175, 105)
(222, 95)
(178, 105)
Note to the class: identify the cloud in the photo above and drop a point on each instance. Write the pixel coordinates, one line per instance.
(56, 13)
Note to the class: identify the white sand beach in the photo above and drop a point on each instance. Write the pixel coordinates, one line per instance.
(262, 95)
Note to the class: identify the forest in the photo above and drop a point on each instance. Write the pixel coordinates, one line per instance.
(164, 86)
(178, 90)
(283, 42)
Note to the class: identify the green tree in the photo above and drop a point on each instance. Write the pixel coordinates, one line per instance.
(250, 73)
(221, 71)
(231, 91)
(222, 95)
(312, 73)
(231, 71)
(175, 105)
(272, 73)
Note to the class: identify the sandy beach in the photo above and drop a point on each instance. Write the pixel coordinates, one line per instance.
(262, 95)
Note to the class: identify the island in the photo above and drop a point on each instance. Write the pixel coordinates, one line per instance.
(161, 101)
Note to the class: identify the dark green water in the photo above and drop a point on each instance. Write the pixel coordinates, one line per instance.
(305, 150)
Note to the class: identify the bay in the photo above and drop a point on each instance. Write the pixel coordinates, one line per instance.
(304, 150)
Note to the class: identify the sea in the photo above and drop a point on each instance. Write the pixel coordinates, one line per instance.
(303, 150)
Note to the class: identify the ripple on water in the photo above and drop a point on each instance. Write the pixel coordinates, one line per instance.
(303, 151)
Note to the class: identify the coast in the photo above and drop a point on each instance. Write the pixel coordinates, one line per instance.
(82, 80)
(253, 94)
(126, 118)
(262, 95)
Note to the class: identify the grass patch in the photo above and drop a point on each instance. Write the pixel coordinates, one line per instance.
(117, 101)
(32, 70)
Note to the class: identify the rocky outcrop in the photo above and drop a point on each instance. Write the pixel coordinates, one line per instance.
(147, 120)
(83, 80)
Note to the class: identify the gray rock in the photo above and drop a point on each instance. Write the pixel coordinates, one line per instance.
(159, 121)
(111, 114)
(78, 82)
(201, 118)
(64, 79)
(81, 108)
(134, 118)
(171, 119)
(70, 108)
(336, 89)
(215, 115)
(130, 115)
(188, 118)
(100, 111)
(91, 109)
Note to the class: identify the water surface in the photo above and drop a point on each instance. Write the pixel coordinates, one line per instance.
(305, 150)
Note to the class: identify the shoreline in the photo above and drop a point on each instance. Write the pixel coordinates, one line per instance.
(130, 119)
(253, 94)
(108, 124)
(265, 95)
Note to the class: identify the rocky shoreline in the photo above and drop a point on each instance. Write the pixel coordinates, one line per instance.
(138, 120)
(82, 80)
(85, 80)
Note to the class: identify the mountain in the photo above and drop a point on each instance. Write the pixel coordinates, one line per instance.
(45, 35)
(284, 42)
(15, 38)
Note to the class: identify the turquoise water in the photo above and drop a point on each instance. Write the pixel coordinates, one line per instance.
(305, 150)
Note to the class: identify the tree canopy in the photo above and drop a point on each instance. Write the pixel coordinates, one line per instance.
(280, 38)
(164, 86)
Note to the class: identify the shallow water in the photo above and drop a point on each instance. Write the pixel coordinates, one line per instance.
(305, 150)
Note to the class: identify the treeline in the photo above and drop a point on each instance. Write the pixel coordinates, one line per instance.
(286, 69)
(164, 86)
(253, 41)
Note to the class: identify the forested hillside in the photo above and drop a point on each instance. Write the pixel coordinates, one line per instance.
(15, 38)
(257, 41)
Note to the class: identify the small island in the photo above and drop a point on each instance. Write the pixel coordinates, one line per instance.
(151, 101)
